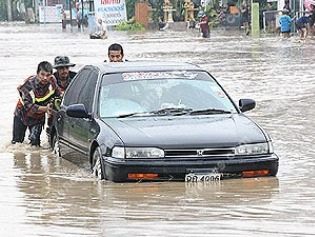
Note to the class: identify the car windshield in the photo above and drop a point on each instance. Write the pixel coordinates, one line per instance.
(162, 93)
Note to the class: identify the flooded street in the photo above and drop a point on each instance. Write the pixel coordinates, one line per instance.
(42, 195)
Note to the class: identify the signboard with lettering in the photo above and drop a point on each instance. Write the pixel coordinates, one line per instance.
(50, 14)
(112, 12)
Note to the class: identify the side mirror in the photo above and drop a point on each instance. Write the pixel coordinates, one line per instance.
(77, 111)
(246, 104)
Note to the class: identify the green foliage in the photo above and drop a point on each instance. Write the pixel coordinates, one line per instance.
(236, 1)
(210, 12)
(130, 25)
(158, 13)
(212, 16)
(3, 10)
(15, 14)
(130, 6)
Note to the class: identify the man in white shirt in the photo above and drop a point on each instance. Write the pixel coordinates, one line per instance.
(100, 30)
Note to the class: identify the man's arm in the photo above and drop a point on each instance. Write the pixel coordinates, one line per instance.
(28, 100)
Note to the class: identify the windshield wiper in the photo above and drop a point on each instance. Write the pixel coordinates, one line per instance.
(172, 111)
(209, 111)
(133, 114)
(161, 112)
(175, 112)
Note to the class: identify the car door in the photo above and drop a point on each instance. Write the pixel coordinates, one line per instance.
(72, 129)
(84, 130)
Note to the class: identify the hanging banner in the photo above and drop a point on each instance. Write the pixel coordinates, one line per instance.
(112, 12)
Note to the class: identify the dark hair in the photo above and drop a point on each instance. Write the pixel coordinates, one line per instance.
(45, 66)
(116, 47)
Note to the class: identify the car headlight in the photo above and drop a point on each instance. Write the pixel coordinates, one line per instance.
(254, 149)
(137, 152)
(118, 152)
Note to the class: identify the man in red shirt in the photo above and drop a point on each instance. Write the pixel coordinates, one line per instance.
(204, 25)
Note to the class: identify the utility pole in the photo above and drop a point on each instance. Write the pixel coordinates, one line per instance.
(70, 9)
(82, 17)
(44, 4)
(255, 19)
(9, 10)
(35, 4)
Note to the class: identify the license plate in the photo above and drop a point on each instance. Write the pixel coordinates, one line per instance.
(192, 177)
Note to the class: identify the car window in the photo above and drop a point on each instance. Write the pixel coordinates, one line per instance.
(87, 93)
(121, 98)
(72, 94)
(195, 92)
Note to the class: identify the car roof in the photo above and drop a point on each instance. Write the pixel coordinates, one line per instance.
(146, 65)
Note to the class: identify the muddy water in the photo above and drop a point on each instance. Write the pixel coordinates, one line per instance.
(41, 195)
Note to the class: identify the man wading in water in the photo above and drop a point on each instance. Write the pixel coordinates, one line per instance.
(35, 95)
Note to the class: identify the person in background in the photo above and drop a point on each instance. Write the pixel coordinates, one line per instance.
(204, 25)
(287, 6)
(285, 23)
(270, 17)
(100, 30)
(245, 8)
(302, 26)
(221, 15)
(85, 21)
(115, 53)
(35, 95)
(162, 24)
(78, 18)
(63, 19)
(311, 23)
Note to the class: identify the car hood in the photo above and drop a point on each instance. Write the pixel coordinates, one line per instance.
(190, 131)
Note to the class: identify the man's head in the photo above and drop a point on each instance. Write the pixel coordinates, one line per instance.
(44, 72)
(62, 64)
(115, 53)
(201, 13)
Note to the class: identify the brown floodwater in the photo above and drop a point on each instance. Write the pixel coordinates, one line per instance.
(42, 195)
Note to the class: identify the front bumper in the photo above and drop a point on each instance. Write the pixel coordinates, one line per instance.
(117, 170)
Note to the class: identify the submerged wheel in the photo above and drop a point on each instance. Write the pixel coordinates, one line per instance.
(55, 145)
(97, 164)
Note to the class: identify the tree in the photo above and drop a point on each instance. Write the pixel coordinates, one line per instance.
(3, 10)
(158, 5)
(130, 6)
(10, 9)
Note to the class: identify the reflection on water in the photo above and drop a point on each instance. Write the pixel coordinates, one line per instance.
(42, 195)
(55, 192)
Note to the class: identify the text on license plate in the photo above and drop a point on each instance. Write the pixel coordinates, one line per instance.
(202, 177)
